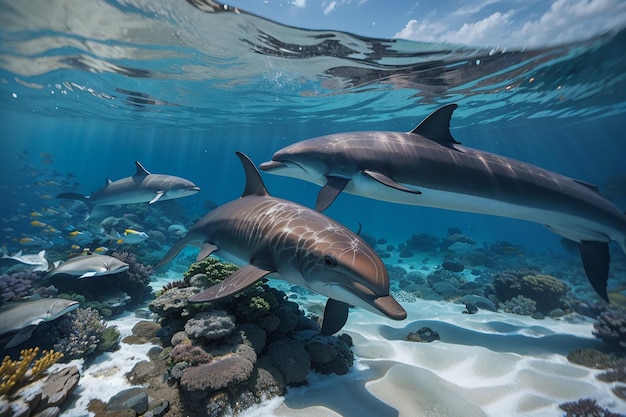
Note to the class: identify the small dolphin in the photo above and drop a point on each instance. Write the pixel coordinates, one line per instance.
(428, 167)
(143, 187)
(270, 235)
(19, 319)
(37, 262)
(89, 266)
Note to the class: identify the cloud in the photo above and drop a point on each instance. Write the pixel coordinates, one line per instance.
(299, 3)
(330, 7)
(564, 21)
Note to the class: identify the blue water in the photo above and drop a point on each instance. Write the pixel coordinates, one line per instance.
(181, 90)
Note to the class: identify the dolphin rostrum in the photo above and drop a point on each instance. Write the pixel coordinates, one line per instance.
(428, 167)
(143, 187)
(18, 319)
(269, 235)
(89, 266)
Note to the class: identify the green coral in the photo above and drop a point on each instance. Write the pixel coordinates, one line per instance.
(109, 340)
(214, 269)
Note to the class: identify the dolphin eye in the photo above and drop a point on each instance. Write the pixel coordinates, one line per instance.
(330, 261)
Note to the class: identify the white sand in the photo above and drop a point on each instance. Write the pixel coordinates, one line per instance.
(487, 364)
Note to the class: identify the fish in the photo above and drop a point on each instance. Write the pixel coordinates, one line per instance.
(38, 261)
(18, 319)
(129, 236)
(143, 187)
(271, 236)
(428, 167)
(85, 266)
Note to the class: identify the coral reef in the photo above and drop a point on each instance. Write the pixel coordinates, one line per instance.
(546, 291)
(15, 373)
(586, 407)
(521, 305)
(17, 285)
(83, 332)
(611, 328)
(593, 358)
(228, 355)
(136, 280)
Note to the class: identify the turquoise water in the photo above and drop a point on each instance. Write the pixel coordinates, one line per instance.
(181, 90)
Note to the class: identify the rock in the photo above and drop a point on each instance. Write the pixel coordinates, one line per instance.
(133, 398)
(480, 302)
(146, 329)
(19, 408)
(446, 290)
(425, 335)
(58, 386)
(321, 351)
(160, 410)
(142, 313)
(49, 412)
(452, 266)
(4, 407)
(211, 325)
(341, 363)
(30, 396)
(292, 359)
(172, 302)
(266, 380)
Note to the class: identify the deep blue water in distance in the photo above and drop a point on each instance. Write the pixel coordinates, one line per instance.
(88, 102)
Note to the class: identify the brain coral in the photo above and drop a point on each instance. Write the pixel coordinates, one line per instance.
(219, 373)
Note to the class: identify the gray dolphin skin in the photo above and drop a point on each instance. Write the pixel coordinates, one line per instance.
(428, 167)
(89, 266)
(143, 187)
(18, 319)
(267, 235)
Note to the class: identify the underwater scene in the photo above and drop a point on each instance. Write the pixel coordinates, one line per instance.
(299, 208)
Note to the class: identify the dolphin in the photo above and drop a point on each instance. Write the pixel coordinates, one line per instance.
(428, 167)
(18, 319)
(89, 266)
(36, 262)
(268, 235)
(143, 187)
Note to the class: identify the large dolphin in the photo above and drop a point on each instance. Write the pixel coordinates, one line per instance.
(143, 187)
(269, 235)
(19, 319)
(89, 266)
(428, 167)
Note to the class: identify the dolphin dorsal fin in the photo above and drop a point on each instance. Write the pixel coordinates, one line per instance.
(108, 181)
(436, 126)
(140, 169)
(254, 182)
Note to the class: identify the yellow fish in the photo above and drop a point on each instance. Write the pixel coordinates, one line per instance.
(37, 223)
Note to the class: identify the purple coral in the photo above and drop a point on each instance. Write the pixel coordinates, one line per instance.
(16, 285)
(611, 328)
(80, 332)
(137, 281)
(586, 407)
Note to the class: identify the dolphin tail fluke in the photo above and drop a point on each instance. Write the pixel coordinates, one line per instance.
(595, 256)
(79, 197)
(238, 281)
(335, 316)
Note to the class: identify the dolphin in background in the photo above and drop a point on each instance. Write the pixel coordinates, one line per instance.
(143, 187)
(18, 319)
(428, 167)
(269, 235)
(89, 266)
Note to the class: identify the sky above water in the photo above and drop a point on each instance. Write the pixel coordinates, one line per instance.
(491, 23)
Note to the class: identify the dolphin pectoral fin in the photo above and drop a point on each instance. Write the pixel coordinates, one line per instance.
(335, 316)
(21, 336)
(207, 249)
(88, 274)
(596, 259)
(158, 195)
(385, 180)
(330, 191)
(238, 281)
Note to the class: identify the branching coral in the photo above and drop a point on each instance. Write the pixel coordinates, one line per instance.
(15, 373)
(81, 332)
(586, 407)
(611, 328)
(137, 283)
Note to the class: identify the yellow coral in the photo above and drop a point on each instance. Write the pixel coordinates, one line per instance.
(16, 372)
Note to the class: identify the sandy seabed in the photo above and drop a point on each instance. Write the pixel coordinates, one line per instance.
(486, 364)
